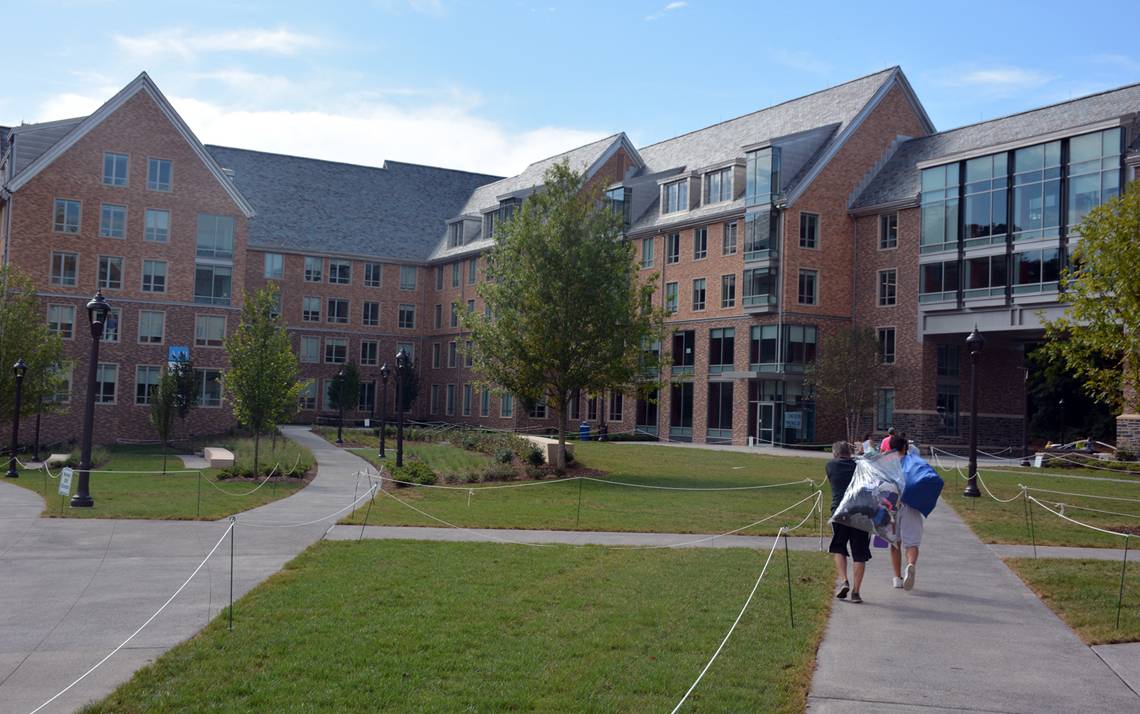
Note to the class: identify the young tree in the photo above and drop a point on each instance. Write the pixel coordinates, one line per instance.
(263, 368)
(24, 334)
(410, 389)
(1098, 337)
(187, 385)
(570, 314)
(163, 407)
(844, 374)
(345, 392)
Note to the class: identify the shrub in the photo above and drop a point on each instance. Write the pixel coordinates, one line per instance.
(535, 472)
(470, 441)
(569, 456)
(504, 456)
(451, 478)
(472, 477)
(499, 472)
(1125, 455)
(416, 472)
(100, 457)
(534, 457)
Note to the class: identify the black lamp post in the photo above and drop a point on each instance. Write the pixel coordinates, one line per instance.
(97, 310)
(340, 407)
(974, 342)
(1061, 406)
(1025, 418)
(18, 370)
(401, 374)
(384, 372)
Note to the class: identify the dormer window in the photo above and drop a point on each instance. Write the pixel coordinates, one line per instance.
(492, 219)
(718, 185)
(455, 235)
(675, 196)
(618, 201)
(762, 172)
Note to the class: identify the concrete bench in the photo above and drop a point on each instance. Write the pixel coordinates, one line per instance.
(54, 459)
(218, 457)
(547, 445)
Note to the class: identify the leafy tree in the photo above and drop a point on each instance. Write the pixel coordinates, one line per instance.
(1098, 336)
(570, 314)
(345, 391)
(844, 374)
(163, 407)
(187, 386)
(263, 371)
(410, 389)
(24, 335)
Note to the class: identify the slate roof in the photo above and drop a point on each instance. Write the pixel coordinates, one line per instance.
(396, 211)
(32, 140)
(899, 179)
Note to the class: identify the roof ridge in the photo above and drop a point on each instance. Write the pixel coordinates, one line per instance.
(554, 156)
(441, 168)
(344, 163)
(43, 124)
(773, 106)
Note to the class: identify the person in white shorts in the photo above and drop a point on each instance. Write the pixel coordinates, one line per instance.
(909, 523)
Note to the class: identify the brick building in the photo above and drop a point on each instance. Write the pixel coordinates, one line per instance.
(769, 232)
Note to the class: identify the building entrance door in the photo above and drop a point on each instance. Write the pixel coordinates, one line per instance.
(766, 423)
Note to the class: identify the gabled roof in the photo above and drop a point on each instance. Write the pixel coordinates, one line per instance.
(32, 140)
(898, 181)
(65, 136)
(395, 212)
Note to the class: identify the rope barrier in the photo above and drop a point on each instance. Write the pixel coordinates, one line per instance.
(1079, 523)
(991, 494)
(246, 493)
(1081, 495)
(710, 488)
(1097, 510)
(334, 514)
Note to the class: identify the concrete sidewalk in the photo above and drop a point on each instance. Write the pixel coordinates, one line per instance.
(74, 589)
(969, 638)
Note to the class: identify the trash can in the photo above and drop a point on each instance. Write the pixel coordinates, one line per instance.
(584, 431)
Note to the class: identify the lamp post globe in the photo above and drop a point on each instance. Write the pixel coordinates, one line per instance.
(18, 371)
(384, 373)
(401, 375)
(97, 310)
(974, 342)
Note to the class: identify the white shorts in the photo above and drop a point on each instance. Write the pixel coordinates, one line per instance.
(909, 522)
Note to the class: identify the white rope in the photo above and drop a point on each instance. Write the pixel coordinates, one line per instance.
(481, 488)
(991, 493)
(140, 628)
(732, 629)
(1095, 467)
(1081, 495)
(1034, 473)
(481, 534)
(245, 493)
(334, 514)
(698, 488)
(1097, 510)
(1079, 523)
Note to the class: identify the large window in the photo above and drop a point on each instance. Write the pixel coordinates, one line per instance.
(1037, 191)
(314, 269)
(210, 390)
(729, 247)
(212, 284)
(340, 272)
(762, 175)
(371, 314)
(809, 230)
(154, 276)
(106, 383)
(728, 291)
(112, 221)
(888, 231)
(949, 361)
(722, 350)
(647, 252)
(308, 398)
(800, 342)
(337, 311)
(407, 317)
(684, 347)
(449, 403)
(209, 330)
(948, 397)
(215, 236)
(986, 194)
(472, 271)
(675, 196)
(152, 326)
(699, 294)
(310, 349)
(1094, 172)
(61, 320)
(808, 291)
(66, 215)
(620, 202)
(762, 348)
(110, 272)
(64, 269)
(720, 411)
(718, 185)
(681, 410)
(336, 350)
(373, 272)
(455, 274)
(888, 287)
(455, 234)
(986, 276)
(115, 169)
(310, 309)
(700, 242)
(939, 209)
(1036, 271)
(884, 409)
(760, 240)
(507, 406)
(759, 287)
(673, 248)
(408, 277)
(146, 381)
(671, 297)
(111, 325)
(433, 400)
(467, 400)
(158, 174)
(616, 406)
(645, 418)
(938, 282)
(274, 266)
(438, 277)
(157, 226)
(887, 345)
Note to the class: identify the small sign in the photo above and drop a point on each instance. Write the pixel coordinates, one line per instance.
(177, 353)
(367, 423)
(1038, 460)
(65, 481)
(793, 420)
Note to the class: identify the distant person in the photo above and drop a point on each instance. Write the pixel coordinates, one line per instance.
(868, 445)
(909, 523)
(886, 445)
(839, 472)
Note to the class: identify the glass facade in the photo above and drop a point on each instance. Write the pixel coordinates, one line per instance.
(760, 235)
(761, 176)
(939, 209)
(759, 287)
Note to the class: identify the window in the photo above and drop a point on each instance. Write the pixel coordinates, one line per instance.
(681, 410)
(800, 343)
(469, 354)
(311, 309)
(538, 411)
(646, 415)
(408, 277)
(472, 271)
(699, 294)
(485, 402)
(759, 287)
(887, 345)
(1036, 191)
(573, 409)
(449, 403)
(615, 406)
(314, 268)
(115, 169)
(106, 383)
(884, 409)
(452, 354)
(939, 209)
(948, 408)
(154, 276)
(110, 272)
(67, 214)
(728, 291)
(948, 361)
(466, 400)
(671, 297)
(308, 399)
(435, 352)
(439, 277)
(760, 239)
(720, 411)
(64, 269)
(619, 201)
(1036, 271)
(61, 320)
(210, 392)
(986, 198)
(274, 266)
(372, 275)
(470, 306)
(209, 330)
(337, 311)
(684, 347)
(433, 400)
(730, 238)
(722, 350)
(700, 242)
(215, 236)
(157, 229)
(455, 274)
(762, 175)
(146, 380)
(111, 326)
(675, 196)
(438, 316)
(158, 174)
(366, 396)
(336, 350)
(888, 287)
(407, 317)
(112, 221)
(807, 294)
(340, 272)
(152, 327)
(371, 316)
(718, 185)
(938, 282)
(985, 277)
(507, 406)
(212, 284)
(62, 394)
(888, 231)
(592, 409)
(369, 353)
(455, 234)
(762, 348)
(673, 248)
(310, 349)
(1094, 172)
(809, 230)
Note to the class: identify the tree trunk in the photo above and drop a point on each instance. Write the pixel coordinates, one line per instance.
(256, 446)
(560, 453)
(164, 457)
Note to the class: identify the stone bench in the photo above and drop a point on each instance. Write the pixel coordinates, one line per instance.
(218, 457)
(547, 445)
(54, 459)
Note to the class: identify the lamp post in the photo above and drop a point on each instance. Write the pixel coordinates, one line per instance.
(401, 373)
(97, 310)
(974, 342)
(1061, 406)
(340, 407)
(384, 372)
(1025, 418)
(18, 370)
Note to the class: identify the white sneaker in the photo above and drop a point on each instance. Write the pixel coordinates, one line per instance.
(908, 577)
(897, 582)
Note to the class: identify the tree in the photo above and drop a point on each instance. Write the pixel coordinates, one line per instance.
(187, 386)
(163, 407)
(569, 313)
(1098, 336)
(264, 372)
(845, 372)
(410, 388)
(345, 391)
(24, 334)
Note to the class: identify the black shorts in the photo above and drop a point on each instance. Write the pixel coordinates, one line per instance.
(860, 542)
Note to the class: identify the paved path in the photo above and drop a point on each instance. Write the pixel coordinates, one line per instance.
(969, 638)
(73, 589)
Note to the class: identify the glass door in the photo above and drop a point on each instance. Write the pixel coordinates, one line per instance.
(765, 423)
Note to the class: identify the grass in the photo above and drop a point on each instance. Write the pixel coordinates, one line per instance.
(555, 504)
(415, 626)
(444, 459)
(181, 496)
(1083, 593)
(995, 522)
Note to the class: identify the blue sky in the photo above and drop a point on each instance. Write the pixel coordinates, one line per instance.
(491, 86)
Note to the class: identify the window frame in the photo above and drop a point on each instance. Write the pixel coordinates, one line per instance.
(157, 185)
(728, 296)
(143, 321)
(206, 321)
(810, 238)
(106, 284)
(151, 235)
(887, 339)
(887, 281)
(813, 276)
(61, 278)
(126, 164)
(143, 276)
(66, 226)
(887, 239)
(107, 229)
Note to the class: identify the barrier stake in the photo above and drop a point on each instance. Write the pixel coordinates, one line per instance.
(578, 518)
(819, 502)
(199, 495)
(45, 481)
(1120, 595)
(1025, 502)
(788, 567)
(1032, 534)
(233, 527)
(366, 514)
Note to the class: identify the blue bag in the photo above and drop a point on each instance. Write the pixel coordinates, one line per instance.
(923, 484)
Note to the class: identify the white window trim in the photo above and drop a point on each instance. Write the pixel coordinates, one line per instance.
(818, 231)
(879, 284)
(879, 237)
(118, 383)
(169, 222)
(127, 183)
(162, 334)
(146, 183)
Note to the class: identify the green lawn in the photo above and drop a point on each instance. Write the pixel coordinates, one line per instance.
(1083, 593)
(995, 522)
(183, 496)
(555, 504)
(415, 626)
(444, 459)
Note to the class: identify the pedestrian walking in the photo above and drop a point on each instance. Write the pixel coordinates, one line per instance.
(909, 523)
(839, 472)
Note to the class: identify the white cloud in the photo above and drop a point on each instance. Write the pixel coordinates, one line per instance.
(995, 79)
(800, 61)
(667, 9)
(187, 45)
(1118, 60)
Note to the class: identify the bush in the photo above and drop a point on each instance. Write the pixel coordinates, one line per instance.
(535, 472)
(100, 457)
(416, 472)
(470, 441)
(451, 478)
(504, 456)
(534, 457)
(472, 477)
(569, 456)
(1125, 455)
(500, 472)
